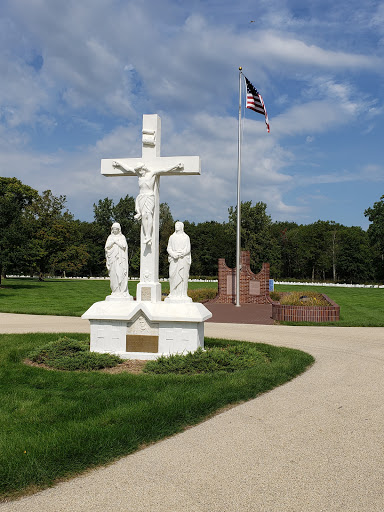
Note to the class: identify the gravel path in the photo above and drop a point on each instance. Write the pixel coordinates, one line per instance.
(314, 444)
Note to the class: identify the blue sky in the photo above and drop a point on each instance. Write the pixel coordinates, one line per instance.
(78, 75)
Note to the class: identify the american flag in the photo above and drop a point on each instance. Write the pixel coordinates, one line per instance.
(255, 101)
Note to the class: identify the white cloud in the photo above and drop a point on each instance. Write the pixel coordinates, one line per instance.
(108, 61)
(287, 50)
(377, 21)
(373, 172)
(22, 92)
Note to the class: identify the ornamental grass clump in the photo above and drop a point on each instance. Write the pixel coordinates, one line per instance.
(202, 294)
(303, 299)
(275, 296)
(215, 359)
(69, 354)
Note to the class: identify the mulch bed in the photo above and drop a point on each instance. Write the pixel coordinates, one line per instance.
(130, 365)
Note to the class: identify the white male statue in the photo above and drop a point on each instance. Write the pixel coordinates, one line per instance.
(116, 255)
(145, 201)
(179, 251)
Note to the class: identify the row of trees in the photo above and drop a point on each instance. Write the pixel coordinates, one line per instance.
(38, 235)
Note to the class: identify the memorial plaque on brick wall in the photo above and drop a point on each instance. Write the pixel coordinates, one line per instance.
(231, 284)
(142, 343)
(254, 287)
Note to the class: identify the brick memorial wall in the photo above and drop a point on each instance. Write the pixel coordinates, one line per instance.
(254, 288)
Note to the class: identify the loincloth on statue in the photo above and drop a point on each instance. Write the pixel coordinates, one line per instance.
(145, 203)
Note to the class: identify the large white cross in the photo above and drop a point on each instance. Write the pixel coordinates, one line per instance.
(152, 165)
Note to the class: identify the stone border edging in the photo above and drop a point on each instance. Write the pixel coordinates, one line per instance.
(288, 313)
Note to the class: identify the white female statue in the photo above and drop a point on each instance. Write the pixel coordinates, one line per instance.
(179, 251)
(116, 254)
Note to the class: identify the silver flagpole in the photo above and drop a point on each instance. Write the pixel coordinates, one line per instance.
(238, 235)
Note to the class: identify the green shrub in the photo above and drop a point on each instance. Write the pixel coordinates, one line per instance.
(202, 294)
(68, 354)
(275, 296)
(215, 359)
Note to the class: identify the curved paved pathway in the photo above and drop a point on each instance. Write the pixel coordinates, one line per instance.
(314, 444)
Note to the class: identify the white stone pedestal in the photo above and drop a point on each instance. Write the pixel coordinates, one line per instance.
(146, 330)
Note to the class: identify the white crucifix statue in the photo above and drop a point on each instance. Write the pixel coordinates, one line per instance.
(148, 169)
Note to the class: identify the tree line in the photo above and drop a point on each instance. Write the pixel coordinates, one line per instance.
(39, 236)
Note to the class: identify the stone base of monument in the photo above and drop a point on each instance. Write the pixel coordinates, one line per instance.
(119, 299)
(146, 330)
(177, 300)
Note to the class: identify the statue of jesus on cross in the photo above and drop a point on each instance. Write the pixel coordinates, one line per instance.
(145, 201)
(148, 169)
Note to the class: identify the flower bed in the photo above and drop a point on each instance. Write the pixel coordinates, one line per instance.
(304, 313)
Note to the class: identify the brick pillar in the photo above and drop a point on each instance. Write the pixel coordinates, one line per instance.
(245, 259)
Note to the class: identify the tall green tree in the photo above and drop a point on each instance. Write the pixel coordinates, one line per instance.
(283, 265)
(354, 260)
(375, 215)
(256, 233)
(166, 228)
(14, 199)
(103, 215)
(55, 244)
(209, 242)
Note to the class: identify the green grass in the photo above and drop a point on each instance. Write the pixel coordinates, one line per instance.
(61, 296)
(359, 307)
(57, 424)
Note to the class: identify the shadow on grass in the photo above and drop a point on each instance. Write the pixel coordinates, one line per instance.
(19, 286)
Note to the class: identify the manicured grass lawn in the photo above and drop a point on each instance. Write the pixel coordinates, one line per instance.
(359, 307)
(61, 296)
(55, 424)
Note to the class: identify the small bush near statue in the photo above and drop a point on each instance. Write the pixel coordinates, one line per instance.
(74, 355)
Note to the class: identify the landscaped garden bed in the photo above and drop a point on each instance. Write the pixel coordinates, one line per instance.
(304, 307)
(55, 424)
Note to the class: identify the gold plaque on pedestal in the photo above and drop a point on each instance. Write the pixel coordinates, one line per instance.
(142, 343)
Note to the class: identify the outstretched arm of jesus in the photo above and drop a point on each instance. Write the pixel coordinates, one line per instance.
(126, 168)
(122, 166)
(177, 167)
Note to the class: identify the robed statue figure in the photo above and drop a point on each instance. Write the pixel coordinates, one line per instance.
(116, 255)
(179, 257)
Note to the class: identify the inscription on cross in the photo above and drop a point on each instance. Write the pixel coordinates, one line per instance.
(148, 169)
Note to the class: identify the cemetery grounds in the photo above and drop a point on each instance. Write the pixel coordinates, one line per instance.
(55, 425)
(359, 307)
